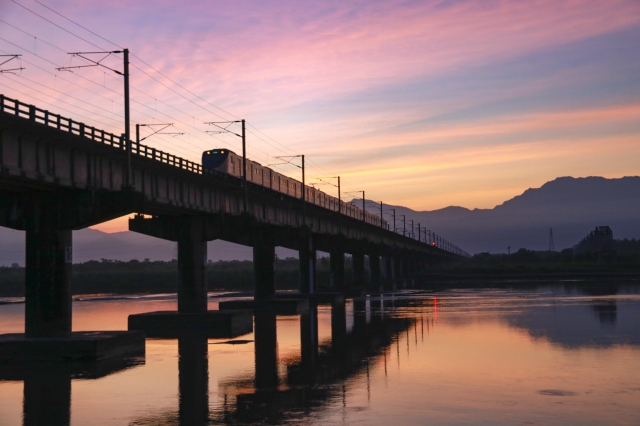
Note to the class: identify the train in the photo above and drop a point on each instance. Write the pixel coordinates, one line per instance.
(226, 161)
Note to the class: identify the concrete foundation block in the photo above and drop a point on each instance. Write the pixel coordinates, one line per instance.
(277, 306)
(320, 298)
(212, 324)
(355, 292)
(77, 346)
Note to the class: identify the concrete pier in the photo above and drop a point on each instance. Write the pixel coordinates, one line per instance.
(276, 306)
(47, 275)
(307, 256)
(309, 342)
(77, 346)
(47, 385)
(212, 324)
(266, 350)
(192, 273)
(264, 255)
(193, 382)
(49, 254)
(375, 282)
(336, 262)
(358, 268)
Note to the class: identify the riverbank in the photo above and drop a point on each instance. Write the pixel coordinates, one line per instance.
(135, 277)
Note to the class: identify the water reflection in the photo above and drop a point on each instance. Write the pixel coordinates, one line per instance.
(607, 319)
(562, 354)
(317, 376)
(47, 386)
(193, 384)
(266, 350)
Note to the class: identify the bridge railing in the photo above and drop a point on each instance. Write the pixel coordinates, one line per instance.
(56, 121)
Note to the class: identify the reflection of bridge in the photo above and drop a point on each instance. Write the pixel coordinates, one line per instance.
(313, 378)
(57, 175)
(47, 386)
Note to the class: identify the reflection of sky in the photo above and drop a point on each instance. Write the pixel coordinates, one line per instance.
(494, 356)
(602, 322)
(469, 102)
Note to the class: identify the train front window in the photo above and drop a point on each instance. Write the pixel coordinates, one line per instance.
(214, 158)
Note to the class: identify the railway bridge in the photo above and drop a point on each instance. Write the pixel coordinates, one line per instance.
(59, 175)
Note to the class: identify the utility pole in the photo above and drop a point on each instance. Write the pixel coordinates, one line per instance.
(304, 196)
(284, 158)
(339, 198)
(364, 216)
(242, 135)
(394, 220)
(419, 234)
(381, 225)
(127, 118)
(127, 114)
(244, 167)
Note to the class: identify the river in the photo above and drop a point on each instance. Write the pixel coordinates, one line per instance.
(550, 354)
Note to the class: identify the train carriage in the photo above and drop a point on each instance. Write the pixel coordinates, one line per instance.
(227, 161)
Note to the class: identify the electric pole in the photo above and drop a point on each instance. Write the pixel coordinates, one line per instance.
(127, 114)
(242, 135)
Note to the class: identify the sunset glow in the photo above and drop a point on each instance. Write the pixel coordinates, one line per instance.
(420, 103)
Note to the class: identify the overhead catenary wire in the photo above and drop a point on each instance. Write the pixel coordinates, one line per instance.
(263, 135)
(140, 59)
(83, 88)
(256, 134)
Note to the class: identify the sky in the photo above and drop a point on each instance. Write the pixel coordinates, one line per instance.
(424, 104)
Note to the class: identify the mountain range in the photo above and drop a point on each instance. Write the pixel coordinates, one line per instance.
(572, 207)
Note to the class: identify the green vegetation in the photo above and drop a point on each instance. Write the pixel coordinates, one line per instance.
(543, 264)
(134, 277)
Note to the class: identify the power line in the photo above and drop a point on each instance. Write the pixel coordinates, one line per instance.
(73, 22)
(60, 108)
(99, 47)
(53, 23)
(144, 72)
(313, 164)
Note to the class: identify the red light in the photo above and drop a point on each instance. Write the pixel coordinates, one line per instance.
(435, 308)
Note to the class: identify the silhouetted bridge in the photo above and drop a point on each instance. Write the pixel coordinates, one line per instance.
(59, 175)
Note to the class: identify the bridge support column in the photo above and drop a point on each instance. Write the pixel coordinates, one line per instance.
(47, 398)
(193, 383)
(48, 279)
(48, 220)
(374, 273)
(338, 325)
(336, 263)
(266, 350)
(264, 256)
(358, 268)
(384, 267)
(192, 273)
(307, 256)
(397, 272)
(309, 341)
(391, 268)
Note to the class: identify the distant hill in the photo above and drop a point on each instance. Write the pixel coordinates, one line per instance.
(571, 206)
(91, 244)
